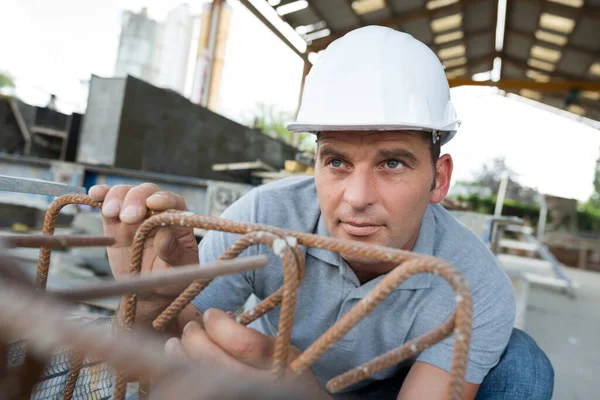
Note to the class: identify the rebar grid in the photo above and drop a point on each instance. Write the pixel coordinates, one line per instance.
(285, 244)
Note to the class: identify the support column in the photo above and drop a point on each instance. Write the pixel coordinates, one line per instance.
(305, 71)
(211, 52)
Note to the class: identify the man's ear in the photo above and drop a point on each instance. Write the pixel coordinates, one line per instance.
(444, 166)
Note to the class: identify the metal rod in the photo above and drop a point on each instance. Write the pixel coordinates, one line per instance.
(56, 241)
(178, 276)
(37, 186)
(43, 322)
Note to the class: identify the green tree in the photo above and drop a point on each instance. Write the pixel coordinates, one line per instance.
(273, 122)
(6, 81)
(594, 200)
(489, 175)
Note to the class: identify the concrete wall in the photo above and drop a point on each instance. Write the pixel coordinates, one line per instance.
(162, 131)
(100, 128)
(11, 137)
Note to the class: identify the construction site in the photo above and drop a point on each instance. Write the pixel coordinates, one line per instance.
(263, 208)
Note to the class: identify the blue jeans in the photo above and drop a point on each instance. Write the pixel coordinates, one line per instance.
(523, 372)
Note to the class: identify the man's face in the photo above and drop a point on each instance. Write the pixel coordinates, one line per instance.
(375, 187)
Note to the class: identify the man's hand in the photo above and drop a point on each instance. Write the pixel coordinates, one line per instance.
(124, 209)
(225, 343)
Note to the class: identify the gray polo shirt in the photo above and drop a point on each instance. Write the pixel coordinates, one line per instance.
(330, 287)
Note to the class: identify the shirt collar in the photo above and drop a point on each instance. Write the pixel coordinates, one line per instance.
(424, 245)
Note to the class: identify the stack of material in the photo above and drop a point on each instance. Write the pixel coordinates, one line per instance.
(303, 165)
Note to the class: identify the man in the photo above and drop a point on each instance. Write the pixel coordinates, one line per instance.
(379, 102)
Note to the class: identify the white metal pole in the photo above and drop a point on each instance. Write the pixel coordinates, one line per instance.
(501, 194)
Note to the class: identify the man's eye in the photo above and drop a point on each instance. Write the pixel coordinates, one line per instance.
(335, 163)
(394, 164)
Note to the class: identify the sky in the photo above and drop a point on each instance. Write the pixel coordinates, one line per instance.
(52, 46)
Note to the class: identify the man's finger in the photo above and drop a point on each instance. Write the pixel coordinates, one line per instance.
(134, 208)
(244, 344)
(98, 192)
(161, 201)
(196, 344)
(173, 348)
(113, 202)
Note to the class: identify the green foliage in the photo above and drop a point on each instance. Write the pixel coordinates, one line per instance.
(595, 198)
(6, 81)
(487, 205)
(588, 217)
(588, 213)
(274, 123)
(271, 121)
(490, 175)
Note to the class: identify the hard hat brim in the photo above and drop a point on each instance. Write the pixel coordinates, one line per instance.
(446, 132)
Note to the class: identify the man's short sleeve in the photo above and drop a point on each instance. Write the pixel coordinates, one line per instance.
(230, 291)
(493, 319)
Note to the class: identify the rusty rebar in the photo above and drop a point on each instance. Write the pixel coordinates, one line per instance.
(43, 321)
(179, 276)
(460, 322)
(76, 364)
(57, 241)
(41, 277)
(409, 264)
(280, 246)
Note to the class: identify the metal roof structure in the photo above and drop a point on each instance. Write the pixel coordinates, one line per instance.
(546, 50)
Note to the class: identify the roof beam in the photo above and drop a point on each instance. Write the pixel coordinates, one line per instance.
(566, 11)
(453, 43)
(569, 45)
(396, 20)
(273, 29)
(547, 87)
(524, 66)
(569, 36)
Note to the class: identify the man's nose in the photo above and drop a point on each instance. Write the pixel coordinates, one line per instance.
(360, 191)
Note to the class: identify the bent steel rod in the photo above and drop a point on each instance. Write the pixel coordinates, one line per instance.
(179, 276)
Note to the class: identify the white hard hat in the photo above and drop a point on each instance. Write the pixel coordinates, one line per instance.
(376, 78)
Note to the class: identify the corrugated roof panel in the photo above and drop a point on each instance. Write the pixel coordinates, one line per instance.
(400, 6)
(524, 16)
(302, 17)
(511, 71)
(480, 45)
(339, 15)
(419, 28)
(574, 62)
(479, 15)
(517, 46)
(377, 16)
(587, 34)
(482, 66)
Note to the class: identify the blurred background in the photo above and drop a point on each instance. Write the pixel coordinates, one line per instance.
(195, 97)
